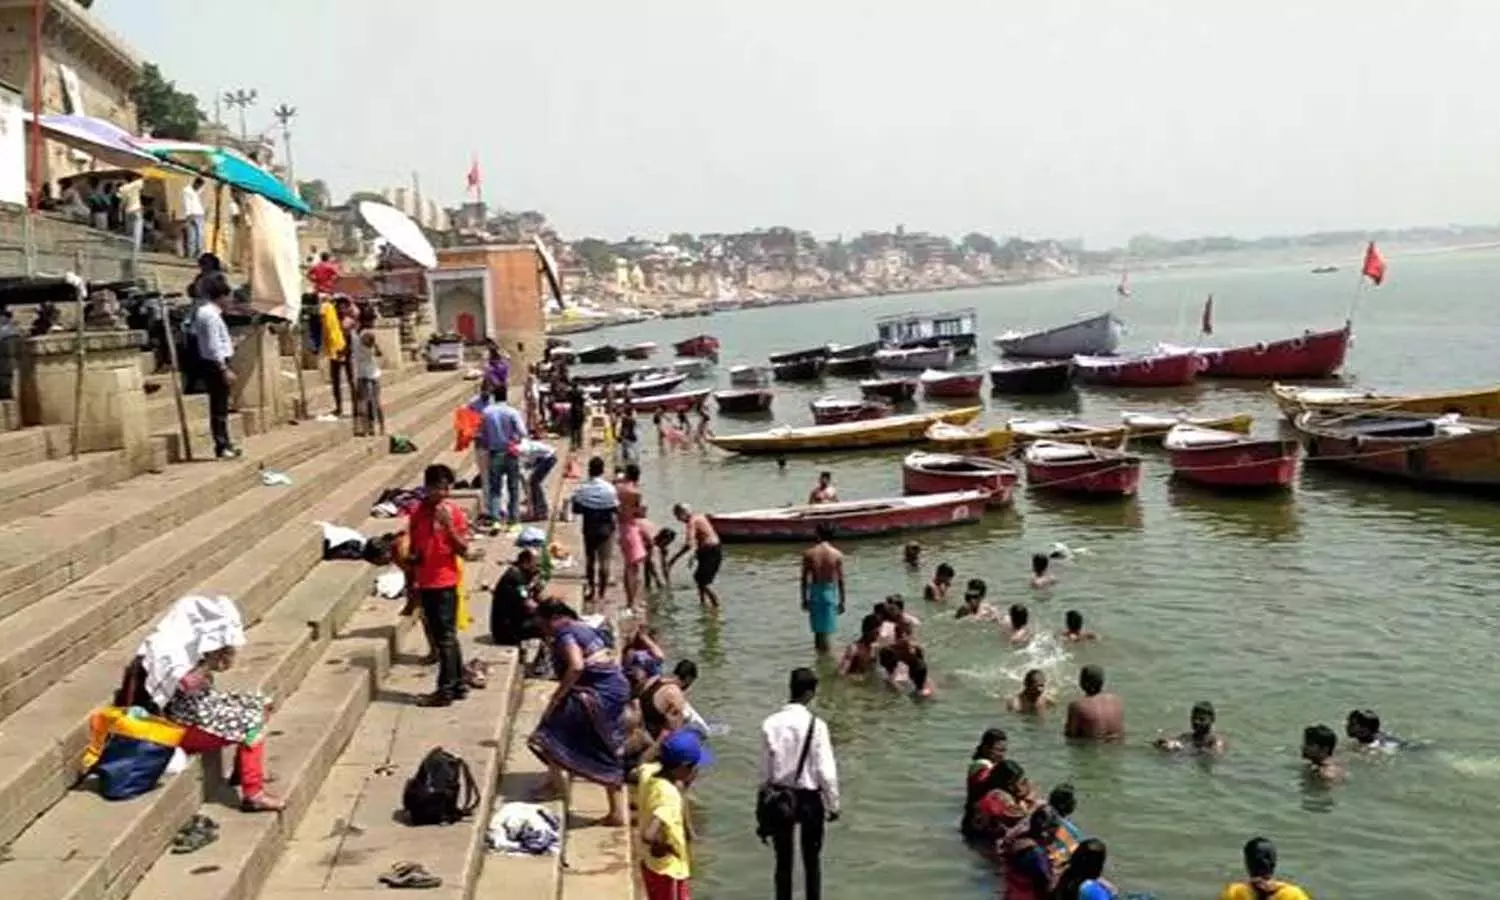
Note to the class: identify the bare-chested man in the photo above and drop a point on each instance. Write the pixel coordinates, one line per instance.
(1096, 716)
(708, 553)
(633, 546)
(823, 587)
(824, 492)
(1033, 697)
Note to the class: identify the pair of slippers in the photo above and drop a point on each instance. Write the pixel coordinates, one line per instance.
(199, 832)
(410, 875)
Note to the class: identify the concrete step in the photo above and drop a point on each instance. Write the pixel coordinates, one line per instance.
(34, 489)
(102, 848)
(28, 446)
(10, 415)
(42, 554)
(42, 741)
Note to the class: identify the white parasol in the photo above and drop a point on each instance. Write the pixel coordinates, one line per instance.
(398, 228)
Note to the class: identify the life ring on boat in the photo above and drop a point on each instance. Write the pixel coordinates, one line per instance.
(1260, 348)
(1298, 343)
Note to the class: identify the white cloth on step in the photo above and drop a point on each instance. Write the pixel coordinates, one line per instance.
(524, 828)
(390, 585)
(273, 478)
(334, 535)
(192, 628)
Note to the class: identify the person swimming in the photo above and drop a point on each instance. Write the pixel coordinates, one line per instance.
(860, 657)
(1318, 745)
(1073, 631)
(1033, 697)
(905, 651)
(911, 554)
(974, 606)
(1200, 736)
(1020, 623)
(1363, 727)
(1041, 575)
(942, 579)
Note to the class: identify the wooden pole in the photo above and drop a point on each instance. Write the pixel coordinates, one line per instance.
(260, 365)
(297, 358)
(78, 359)
(218, 223)
(182, 425)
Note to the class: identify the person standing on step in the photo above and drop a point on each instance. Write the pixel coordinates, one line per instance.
(368, 414)
(438, 535)
(797, 762)
(501, 434)
(539, 459)
(215, 351)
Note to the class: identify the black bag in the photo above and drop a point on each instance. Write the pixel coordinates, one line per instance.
(776, 804)
(442, 792)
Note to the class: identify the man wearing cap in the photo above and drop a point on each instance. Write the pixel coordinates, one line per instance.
(665, 868)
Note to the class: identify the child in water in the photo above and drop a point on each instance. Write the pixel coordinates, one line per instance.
(1073, 631)
(974, 606)
(1363, 727)
(937, 589)
(1020, 623)
(911, 554)
(1318, 744)
(1041, 576)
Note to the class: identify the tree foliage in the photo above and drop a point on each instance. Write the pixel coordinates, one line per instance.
(596, 255)
(315, 194)
(162, 109)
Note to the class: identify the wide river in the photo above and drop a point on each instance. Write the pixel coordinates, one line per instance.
(1283, 611)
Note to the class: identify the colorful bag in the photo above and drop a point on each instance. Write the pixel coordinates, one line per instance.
(129, 753)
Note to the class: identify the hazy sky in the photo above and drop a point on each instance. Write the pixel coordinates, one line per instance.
(1100, 118)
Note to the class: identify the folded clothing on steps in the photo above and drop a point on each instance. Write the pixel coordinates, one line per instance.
(524, 828)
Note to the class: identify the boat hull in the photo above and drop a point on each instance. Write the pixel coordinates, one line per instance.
(915, 360)
(850, 520)
(1247, 465)
(747, 401)
(638, 351)
(837, 411)
(649, 387)
(805, 369)
(990, 442)
(792, 356)
(851, 366)
(930, 473)
(1106, 475)
(1312, 355)
(693, 367)
(1173, 370)
(1479, 404)
(1095, 336)
(597, 355)
(1450, 461)
(1073, 432)
(750, 376)
(703, 345)
(679, 402)
(1032, 378)
(891, 431)
(1153, 433)
(954, 387)
(895, 390)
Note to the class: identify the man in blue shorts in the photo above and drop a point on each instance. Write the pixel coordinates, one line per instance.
(823, 587)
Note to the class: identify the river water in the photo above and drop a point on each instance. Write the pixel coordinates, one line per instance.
(1284, 612)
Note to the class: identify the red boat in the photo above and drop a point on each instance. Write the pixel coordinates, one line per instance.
(851, 519)
(701, 345)
(1315, 354)
(941, 473)
(1229, 459)
(669, 402)
(833, 410)
(951, 384)
(1154, 370)
(1082, 469)
(749, 400)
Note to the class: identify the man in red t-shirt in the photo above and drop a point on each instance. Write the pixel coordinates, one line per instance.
(437, 535)
(324, 275)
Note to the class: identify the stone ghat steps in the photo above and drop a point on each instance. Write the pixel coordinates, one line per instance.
(44, 553)
(86, 848)
(254, 550)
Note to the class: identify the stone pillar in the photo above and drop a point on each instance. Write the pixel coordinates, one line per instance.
(258, 393)
(388, 339)
(114, 396)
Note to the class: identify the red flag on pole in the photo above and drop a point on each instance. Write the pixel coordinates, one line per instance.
(1208, 316)
(475, 183)
(1374, 267)
(1123, 288)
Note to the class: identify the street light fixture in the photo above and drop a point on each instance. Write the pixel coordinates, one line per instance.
(284, 115)
(242, 100)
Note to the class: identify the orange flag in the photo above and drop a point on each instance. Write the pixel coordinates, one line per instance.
(1374, 267)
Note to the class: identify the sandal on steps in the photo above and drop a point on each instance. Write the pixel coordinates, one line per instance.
(197, 833)
(410, 875)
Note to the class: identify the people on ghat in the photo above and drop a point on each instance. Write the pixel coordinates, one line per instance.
(905, 653)
(1318, 745)
(598, 503)
(892, 612)
(1200, 736)
(813, 777)
(643, 652)
(1033, 697)
(582, 730)
(823, 595)
(656, 556)
(437, 538)
(666, 869)
(629, 434)
(708, 553)
(1028, 873)
(988, 753)
(1363, 727)
(663, 698)
(1063, 801)
(860, 657)
(1018, 617)
(1006, 801)
(501, 432)
(1041, 575)
(1083, 879)
(538, 458)
(1261, 883)
(974, 606)
(824, 491)
(1097, 715)
(705, 426)
(911, 555)
(633, 547)
(1073, 631)
(513, 602)
(936, 590)
(578, 413)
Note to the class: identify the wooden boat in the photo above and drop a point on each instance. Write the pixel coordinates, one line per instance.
(951, 385)
(1150, 370)
(891, 431)
(790, 356)
(852, 351)
(1095, 336)
(1313, 354)
(1483, 403)
(643, 350)
(1152, 427)
(850, 366)
(698, 345)
(895, 390)
(750, 376)
(912, 330)
(600, 353)
(1447, 450)
(678, 402)
(655, 383)
(750, 400)
(808, 368)
(832, 410)
(972, 440)
(693, 366)
(1082, 469)
(1042, 377)
(1229, 459)
(851, 519)
(914, 359)
(940, 473)
(1025, 431)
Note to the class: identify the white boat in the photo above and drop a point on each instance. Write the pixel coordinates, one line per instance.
(955, 328)
(914, 359)
(693, 366)
(1095, 336)
(750, 376)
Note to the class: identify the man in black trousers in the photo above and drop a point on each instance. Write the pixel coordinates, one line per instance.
(798, 756)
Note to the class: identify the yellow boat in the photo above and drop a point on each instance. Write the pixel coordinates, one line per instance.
(1027, 430)
(891, 431)
(1152, 427)
(1293, 401)
(969, 440)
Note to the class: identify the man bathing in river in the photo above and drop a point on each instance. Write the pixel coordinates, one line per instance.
(1096, 716)
(860, 657)
(1073, 631)
(911, 554)
(824, 491)
(708, 553)
(1318, 744)
(905, 651)
(1200, 736)
(1041, 577)
(1033, 697)
(823, 588)
(974, 606)
(633, 546)
(1020, 623)
(1363, 727)
(936, 590)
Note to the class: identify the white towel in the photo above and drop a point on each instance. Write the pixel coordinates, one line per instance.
(334, 535)
(524, 828)
(193, 627)
(390, 585)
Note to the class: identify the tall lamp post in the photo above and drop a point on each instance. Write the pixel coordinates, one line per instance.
(242, 100)
(284, 115)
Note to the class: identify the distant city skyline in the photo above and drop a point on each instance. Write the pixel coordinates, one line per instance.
(1101, 119)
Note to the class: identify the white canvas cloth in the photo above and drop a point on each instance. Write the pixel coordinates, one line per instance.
(193, 627)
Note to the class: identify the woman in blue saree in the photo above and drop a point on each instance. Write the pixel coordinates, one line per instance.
(582, 731)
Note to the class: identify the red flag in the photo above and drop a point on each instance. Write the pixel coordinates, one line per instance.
(1208, 316)
(474, 181)
(1374, 267)
(1123, 288)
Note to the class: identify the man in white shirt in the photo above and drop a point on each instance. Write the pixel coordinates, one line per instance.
(796, 753)
(193, 218)
(135, 217)
(215, 350)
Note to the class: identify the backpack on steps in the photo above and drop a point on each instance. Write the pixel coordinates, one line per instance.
(441, 792)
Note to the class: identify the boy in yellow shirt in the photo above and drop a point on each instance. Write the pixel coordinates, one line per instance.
(665, 869)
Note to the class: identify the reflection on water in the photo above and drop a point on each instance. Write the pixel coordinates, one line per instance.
(1265, 516)
(1084, 511)
(1030, 404)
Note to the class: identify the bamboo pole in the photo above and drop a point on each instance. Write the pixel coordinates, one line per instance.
(78, 360)
(297, 359)
(182, 424)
